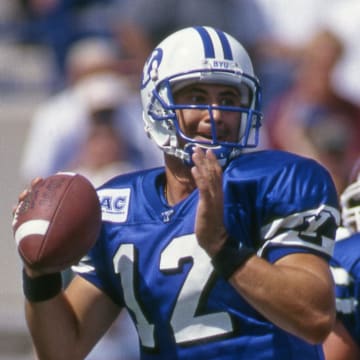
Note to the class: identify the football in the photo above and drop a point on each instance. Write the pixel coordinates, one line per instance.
(57, 222)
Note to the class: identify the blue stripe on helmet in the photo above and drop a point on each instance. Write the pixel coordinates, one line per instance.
(209, 46)
(225, 45)
(206, 40)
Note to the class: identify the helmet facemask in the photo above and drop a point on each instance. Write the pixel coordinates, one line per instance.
(175, 142)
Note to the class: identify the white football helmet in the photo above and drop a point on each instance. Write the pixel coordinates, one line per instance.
(198, 55)
(350, 204)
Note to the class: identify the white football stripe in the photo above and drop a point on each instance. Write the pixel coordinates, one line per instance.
(69, 173)
(31, 227)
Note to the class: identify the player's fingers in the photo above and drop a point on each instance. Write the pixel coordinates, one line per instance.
(36, 180)
(214, 166)
(23, 194)
(198, 156)
(21, 198)
(200, 169)
(14, 209)
(26, 192)
(205, 161)
(207, 172)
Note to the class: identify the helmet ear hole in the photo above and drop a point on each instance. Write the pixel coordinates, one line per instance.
(158, 132)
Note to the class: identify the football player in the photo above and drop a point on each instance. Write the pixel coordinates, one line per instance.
(221, 254)
(344, 341)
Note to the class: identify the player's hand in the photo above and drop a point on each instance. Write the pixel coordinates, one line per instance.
(25, 192)
(209, 226)
(21, 197)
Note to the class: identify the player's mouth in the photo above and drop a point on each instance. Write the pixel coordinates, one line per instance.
(207, 137)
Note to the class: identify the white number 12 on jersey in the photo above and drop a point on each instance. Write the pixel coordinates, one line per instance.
(185, 324)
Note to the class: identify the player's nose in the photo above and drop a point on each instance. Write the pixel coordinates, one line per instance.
(212, 115)
(215, 114)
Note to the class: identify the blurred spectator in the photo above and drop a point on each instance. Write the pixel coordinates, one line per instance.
(61, 125)
(343, 20)
(57, 24)
(311, 118)
(105, 152)
(141, 24)
(290, 24)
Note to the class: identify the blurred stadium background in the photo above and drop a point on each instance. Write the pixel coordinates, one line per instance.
(22, 86)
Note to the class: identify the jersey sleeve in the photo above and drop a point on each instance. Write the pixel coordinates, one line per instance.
(293, 201)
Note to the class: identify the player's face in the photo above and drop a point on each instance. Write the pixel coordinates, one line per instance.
(196, 123)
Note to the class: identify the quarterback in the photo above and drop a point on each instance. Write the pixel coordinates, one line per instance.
(222, 253)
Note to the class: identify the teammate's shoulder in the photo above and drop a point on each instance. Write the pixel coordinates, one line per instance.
(347, 253)
(352, 242)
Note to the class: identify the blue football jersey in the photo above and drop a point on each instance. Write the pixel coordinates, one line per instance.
(345, 267)
(147, 257)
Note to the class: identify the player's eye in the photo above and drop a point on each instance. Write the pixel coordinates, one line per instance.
(193, 98)
(198, 99)
(230, 101)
